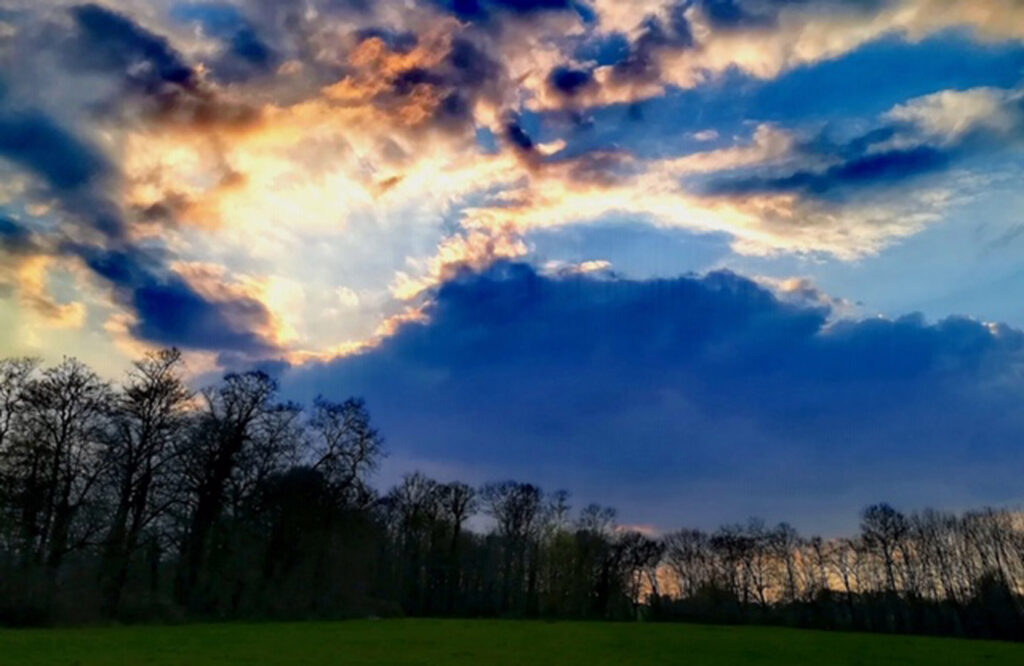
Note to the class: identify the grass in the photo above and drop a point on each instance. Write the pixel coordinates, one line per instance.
(485, 642)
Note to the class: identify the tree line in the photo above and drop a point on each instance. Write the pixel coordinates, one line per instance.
(147, 500)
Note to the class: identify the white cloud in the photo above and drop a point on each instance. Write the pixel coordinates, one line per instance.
(950, 114)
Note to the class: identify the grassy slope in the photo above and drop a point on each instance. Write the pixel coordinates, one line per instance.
(442, 642)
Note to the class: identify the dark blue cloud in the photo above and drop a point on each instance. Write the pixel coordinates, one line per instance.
(112, 42)
(866, 161)
(710, 392)
(471, 66)
(247, 45)
(517, 135)
(481, 11)
(729, 14)
(156, 81)
(67, 167)
(531, 6)
(169, 311)
(405, 82)
(15, 237)
(570, 81)
(891, 167)
(172, 313)
(465, 69)
(36, 143)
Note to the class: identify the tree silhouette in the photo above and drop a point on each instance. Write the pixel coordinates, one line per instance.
(146, 500)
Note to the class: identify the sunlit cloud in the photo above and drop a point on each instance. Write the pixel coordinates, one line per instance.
(302, 194)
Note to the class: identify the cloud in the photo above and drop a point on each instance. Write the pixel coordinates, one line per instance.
(926, 135)
(110, 41)
(156, 81)
(439, 88)
(655, 392)
(886, 168)
(171, 313)
(76, 182)
(473, 251)
(950, 114)
(243, 52)
(26, 272)
(37, 143)
(168, 311)
(15, 238)
(657, 34)
(484, 11)
(684, 43)
(268, 180)
(569, 81)
(270, 139)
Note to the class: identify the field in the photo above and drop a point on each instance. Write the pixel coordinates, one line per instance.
(458, 642)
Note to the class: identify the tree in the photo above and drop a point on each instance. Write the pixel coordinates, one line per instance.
(458, 502)
(883, 529)
(345, 447)
(640, 557)
(688, 555)
(783, 542)
(231, 418)
(149, 418)
(517, 508)
(59, 460)
(594, 579)
(260, 511)
(416, 504)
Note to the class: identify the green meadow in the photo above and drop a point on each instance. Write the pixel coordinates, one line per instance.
(482, 642)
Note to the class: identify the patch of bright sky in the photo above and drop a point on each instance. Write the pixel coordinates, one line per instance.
(360, 256)
(969, 263)
(23, 332)
(634, 248)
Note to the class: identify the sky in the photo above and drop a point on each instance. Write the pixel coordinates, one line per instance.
(695, 259)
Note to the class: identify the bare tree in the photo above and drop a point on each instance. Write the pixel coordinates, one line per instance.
(458, 502)
(150, 417)
(883, 530)
(229, 422)
(688, 555)
(59, 459)
(517, 508)
(783, 543)
(640, 558)
(345, 447)
(596, 519)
